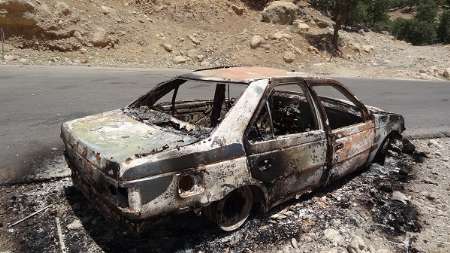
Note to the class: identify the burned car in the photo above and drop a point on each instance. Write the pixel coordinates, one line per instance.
(223, 142)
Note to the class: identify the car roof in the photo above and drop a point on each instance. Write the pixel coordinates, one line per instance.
(238, 74)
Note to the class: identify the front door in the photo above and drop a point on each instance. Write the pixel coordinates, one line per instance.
(351, 129)
(351, 147)
(286, 146)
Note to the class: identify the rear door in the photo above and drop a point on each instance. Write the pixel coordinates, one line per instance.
(285, 142)
(350, 126)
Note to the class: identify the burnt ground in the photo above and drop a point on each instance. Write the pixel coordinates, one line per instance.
(402, 206)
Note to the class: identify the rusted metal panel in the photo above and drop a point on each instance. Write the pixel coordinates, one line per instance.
(352, 146)
(238, 74)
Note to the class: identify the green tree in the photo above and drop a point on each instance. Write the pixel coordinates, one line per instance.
(360, 13)
(378, 11)
(342, 11)
(427, 11)
(444, 27)
(324, 5)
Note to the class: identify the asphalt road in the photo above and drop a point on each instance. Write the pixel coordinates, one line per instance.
(34, 101)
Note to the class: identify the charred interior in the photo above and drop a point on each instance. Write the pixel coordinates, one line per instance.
(289, 112)
(177, 105)
(339, 105)
(340, 114)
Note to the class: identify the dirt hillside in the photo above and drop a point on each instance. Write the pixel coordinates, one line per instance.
(203, 33)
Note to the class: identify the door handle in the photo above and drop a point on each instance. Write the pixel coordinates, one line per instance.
(339, 146)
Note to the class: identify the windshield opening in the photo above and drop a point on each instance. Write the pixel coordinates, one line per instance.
(193, 107)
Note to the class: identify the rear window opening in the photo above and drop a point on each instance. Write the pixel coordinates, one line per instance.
(191, 106)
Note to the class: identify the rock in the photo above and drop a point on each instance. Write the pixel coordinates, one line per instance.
(238, 9)
(142, 43)
(289, 56)
(434, 143)
(200, 57)
(280, 35)
(278, 216)
(205, 63)
(256, 41)
(399, 196)
(62, 8)
(368, 48)
(100, 38)
(19, 15)
(294, 243)
(266, 46)
(179, 59)
(75, 225)
(192, 53)
(10, 57)
(300, 26)
(296, 49)
(429, 196)
(323, 22)
(78, 36)
(194, 39)
(357, 245)
(280, 12)
(167, 47)
(356, 47)
(333, 236)
(54, 59)
(313, 49)
(107, 10)
(23, 60)
(446, 73)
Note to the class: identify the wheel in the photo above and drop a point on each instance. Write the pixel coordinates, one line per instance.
(231, 212)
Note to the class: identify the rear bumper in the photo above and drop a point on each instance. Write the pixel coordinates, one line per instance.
(111, 200)
(99, 189)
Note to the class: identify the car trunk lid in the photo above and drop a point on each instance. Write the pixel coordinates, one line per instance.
(114, 137)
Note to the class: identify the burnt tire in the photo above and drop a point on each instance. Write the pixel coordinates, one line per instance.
(231, 212)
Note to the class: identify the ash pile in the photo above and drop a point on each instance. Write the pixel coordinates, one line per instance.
(365, 212)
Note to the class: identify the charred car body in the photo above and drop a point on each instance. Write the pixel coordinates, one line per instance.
(222, 141)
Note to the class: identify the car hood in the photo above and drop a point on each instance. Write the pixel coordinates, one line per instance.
(116, 137)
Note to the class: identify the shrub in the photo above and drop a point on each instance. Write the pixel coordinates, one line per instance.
(415, 31)
(444, 27)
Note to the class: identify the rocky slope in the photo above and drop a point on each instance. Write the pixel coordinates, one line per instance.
(203, 33)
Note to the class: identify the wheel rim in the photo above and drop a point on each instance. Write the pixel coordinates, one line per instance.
(234, 209)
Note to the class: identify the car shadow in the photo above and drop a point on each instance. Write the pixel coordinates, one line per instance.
(170, 234)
